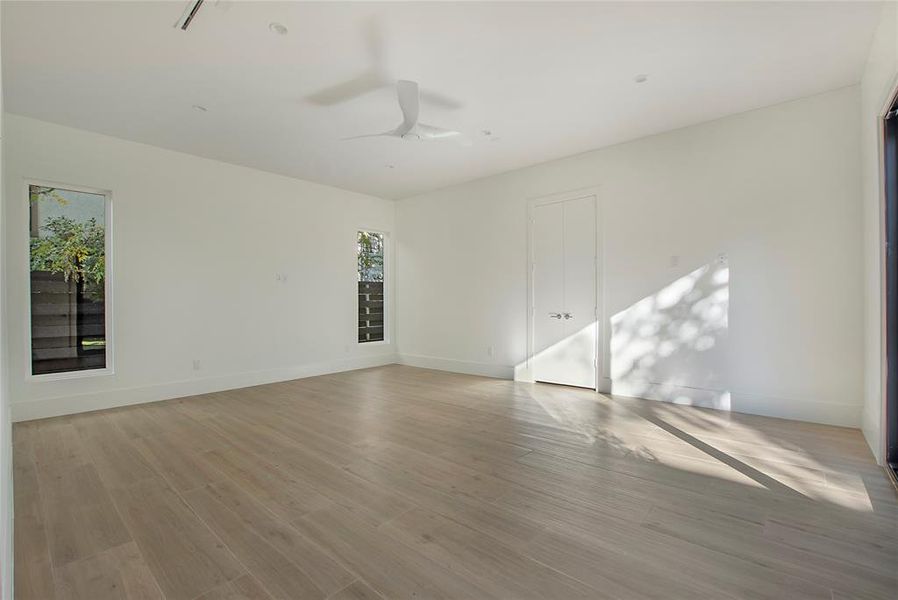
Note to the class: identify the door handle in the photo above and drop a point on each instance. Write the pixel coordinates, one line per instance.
(568, 316)
(555, 315)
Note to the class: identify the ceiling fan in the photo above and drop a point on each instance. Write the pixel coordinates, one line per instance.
(411, 128)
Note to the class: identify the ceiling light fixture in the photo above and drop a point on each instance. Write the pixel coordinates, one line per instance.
(278, 28)
(641, 78)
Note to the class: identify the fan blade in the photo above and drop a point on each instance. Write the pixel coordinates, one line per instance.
(371, 79)
(435, 133)
(365, 83)
(370, 135)
(430, 132)
(408, 102)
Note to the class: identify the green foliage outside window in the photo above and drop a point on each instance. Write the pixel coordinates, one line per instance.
(371, 256)
(75, 249)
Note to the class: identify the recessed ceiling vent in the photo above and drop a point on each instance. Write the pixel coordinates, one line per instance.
(193, 7)
(186, 19)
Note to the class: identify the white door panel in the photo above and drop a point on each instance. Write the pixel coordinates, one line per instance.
(548, 291)
(580, 290)
(564, 292)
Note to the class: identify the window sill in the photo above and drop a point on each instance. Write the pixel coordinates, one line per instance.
(70, 375)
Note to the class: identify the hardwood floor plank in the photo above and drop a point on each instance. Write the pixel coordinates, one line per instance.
(283, 577)
(329, 449)
(511, 528)
(79, 515)
(284, 495)
(397, 482)
(726, 574)
(245, 587)
(616, 574)
(375, 503)
(866, 554)
(112, 452)
(392, 569)
(24, 468)
(119, 573)
(734, 538)
(182, 553)
(178, 422)
(33, 571)
(136, 422)
(449, 476)
(327, 574)
(357, 590)
(58, 441)
(491, 565)
(183, 468)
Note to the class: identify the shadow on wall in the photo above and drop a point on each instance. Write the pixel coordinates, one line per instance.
(673, 344)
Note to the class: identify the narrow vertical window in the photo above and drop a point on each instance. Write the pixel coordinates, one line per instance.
(371, 286)
(68, 280)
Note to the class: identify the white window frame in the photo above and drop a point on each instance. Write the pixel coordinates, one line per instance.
(109, 369)
(388, 297)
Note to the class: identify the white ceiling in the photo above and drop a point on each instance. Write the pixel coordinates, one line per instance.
(547, 79)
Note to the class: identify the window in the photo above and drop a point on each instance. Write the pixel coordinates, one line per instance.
(371, 286)
(68, 279)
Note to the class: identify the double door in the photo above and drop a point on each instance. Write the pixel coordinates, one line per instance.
(563, 288)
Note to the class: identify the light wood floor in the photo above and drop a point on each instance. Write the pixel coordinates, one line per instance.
(406, 483)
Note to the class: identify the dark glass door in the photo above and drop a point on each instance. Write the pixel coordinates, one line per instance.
(890, 157)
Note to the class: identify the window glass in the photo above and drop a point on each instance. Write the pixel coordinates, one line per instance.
(68, 280)
(371, 286)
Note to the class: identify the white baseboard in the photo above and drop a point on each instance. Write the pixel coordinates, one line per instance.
(827, 413)
(457, 366)
(665, 392)
(830, 413)
(872, 433)
(66, 405)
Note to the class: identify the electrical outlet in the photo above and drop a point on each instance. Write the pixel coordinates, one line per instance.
(674, 261)
(490, 350)
(196, 364)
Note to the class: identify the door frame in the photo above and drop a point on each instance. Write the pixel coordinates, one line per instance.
(524, 372)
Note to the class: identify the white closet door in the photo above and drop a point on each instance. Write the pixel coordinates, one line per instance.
(564, 292)
(579, 316)
(548, 292)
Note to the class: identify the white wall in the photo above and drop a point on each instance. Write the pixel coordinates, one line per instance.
(774, 189)
(197, 245)
(6, 482)
(877, 85)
